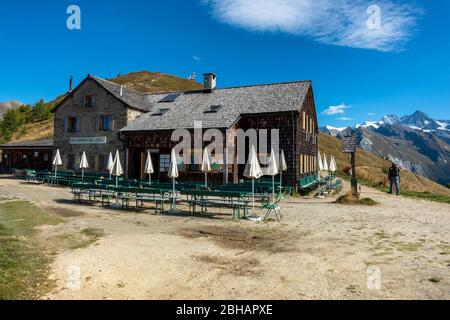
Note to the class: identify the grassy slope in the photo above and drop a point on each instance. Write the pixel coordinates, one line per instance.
(371, 170)
(144, 81)
(23, 261)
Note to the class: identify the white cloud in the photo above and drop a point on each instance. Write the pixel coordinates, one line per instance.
(196, 58)
(334, 22)
(333, 110)
(345, 119)
(371, 114)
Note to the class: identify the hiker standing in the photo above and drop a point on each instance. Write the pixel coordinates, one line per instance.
(394, 178)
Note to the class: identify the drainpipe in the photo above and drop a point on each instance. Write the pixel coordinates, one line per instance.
(294, 145)
(124, 141)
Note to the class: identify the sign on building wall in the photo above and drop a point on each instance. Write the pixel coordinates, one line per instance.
(88, 140)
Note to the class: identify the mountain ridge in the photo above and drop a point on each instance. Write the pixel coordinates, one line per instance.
(9, 105)
(416, 142)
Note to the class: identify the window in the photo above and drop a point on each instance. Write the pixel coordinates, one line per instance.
(71, 162)
(181, 165)
(89, 101)
(45, 156)
(164, 162)
(72, 124)
(91, 161)
(196, 160)
(105, 123)
(102, 162)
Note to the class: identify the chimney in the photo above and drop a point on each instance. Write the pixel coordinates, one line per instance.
(210, 82)
(71, 84)
(121, 91)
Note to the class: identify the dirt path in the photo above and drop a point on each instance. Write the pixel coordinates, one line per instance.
(320, 251)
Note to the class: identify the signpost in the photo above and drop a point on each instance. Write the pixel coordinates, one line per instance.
(349, 146)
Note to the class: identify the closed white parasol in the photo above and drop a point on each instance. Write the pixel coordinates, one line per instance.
(173, 174)
(253, 171)
(149, 168)
(283, 166)
(206, 165)
(57, 162)
(83, 165)
(272, 170)
(110, 164)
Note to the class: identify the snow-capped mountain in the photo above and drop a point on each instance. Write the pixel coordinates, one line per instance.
(416, 142)
(420, 121)
(332, 131)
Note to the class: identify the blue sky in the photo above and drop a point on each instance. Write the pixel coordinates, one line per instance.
(398, 68)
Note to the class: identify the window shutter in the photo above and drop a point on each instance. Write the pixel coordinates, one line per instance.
(66, 124)
(113, 123)
(92, 101)
(77, 125)
(304, 121)
(97, 123)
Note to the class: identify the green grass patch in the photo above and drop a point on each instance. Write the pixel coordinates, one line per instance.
(427, 196)
(74, 241)
(93, 233)
(408, 246)
(415, 195)
(434, 280)
(24, 264)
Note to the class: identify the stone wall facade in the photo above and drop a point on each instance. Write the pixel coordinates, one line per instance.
(71, 144)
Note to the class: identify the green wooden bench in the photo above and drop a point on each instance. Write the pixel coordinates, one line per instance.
(235, 200)
(308, 182)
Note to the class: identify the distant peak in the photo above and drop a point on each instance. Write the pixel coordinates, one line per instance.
(390, 119)
(420, 113)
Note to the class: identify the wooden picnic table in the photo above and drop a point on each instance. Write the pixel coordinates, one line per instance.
(237, 200)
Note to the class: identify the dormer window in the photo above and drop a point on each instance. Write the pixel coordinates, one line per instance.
(213, 109)
(88, 101)
(160, 113)
(171, 97)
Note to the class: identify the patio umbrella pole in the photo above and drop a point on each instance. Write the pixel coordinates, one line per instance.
(173, 195)
(273, 188)
(117, 194)
(206, 180)
(281, 178)
(253, 192)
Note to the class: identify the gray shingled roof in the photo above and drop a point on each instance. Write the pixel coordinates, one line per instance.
(130, 97)
(235, 102)
(29, 144)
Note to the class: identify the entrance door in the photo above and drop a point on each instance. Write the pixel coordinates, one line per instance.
(136, 165)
